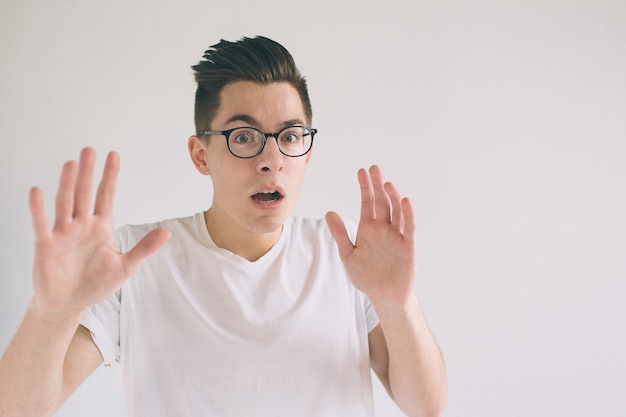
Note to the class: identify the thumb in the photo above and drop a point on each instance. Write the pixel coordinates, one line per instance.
(339, 233)
(149, 244)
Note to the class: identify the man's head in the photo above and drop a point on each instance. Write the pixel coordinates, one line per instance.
(259, 59)
(247, 86)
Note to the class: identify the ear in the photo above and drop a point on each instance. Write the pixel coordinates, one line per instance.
(198, 153)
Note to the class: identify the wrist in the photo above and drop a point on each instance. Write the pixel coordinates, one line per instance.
(56, 318)
(396, 307)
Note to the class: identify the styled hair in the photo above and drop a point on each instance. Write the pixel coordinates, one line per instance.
(258, 59)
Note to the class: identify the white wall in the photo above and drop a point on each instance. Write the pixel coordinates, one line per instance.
(505, 122)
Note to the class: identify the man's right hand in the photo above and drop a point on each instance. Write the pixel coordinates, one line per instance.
(76, 263)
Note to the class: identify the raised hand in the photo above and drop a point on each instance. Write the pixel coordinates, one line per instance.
(76, 263)
(382, 261)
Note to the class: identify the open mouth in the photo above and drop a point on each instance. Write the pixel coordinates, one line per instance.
(268, 196)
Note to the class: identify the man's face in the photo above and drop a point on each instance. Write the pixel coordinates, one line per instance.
(256, 194)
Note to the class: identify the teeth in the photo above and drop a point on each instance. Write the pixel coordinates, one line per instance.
(268, 196)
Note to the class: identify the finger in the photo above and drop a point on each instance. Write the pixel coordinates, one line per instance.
(397, 217)
(105, 197)
(381, 205)
(408, 214)
(149, 244)
(339, 233)
(64, 203)
(368, 209)
(38, 214)
(84, 182)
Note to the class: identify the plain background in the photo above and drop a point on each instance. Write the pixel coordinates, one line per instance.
(503, 121)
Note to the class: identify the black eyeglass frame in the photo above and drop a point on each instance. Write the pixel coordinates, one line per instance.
(226, 134)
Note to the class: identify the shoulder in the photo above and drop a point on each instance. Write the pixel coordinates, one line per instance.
(126, 236)
(314, 230)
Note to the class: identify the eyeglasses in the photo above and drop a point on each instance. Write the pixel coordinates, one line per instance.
(248, 142)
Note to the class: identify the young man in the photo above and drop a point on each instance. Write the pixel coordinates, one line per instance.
(244, 310)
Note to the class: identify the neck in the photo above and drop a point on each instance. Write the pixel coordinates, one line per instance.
(228, 235)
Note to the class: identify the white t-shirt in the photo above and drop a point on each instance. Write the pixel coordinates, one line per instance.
(200, 331)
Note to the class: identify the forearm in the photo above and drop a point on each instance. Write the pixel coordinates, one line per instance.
(416, 372)
(31, 369)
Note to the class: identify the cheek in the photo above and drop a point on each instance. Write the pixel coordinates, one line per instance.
(225, 183)
(297, 177)
(229, 180)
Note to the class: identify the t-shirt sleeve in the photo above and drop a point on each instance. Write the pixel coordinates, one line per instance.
(371, 318)
(103, 319)
(103, 322)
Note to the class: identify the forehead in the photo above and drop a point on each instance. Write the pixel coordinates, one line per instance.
(266, 106)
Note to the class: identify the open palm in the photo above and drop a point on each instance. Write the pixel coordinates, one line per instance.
(76, 263)
(382, 260)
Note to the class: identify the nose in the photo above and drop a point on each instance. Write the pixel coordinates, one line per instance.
(270, 159)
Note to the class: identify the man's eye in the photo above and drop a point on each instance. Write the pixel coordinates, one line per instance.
(243, 138)
(291, 138)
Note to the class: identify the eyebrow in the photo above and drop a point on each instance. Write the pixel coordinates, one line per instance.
(253, 122)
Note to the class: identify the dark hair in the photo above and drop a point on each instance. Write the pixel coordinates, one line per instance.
(258, 59)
